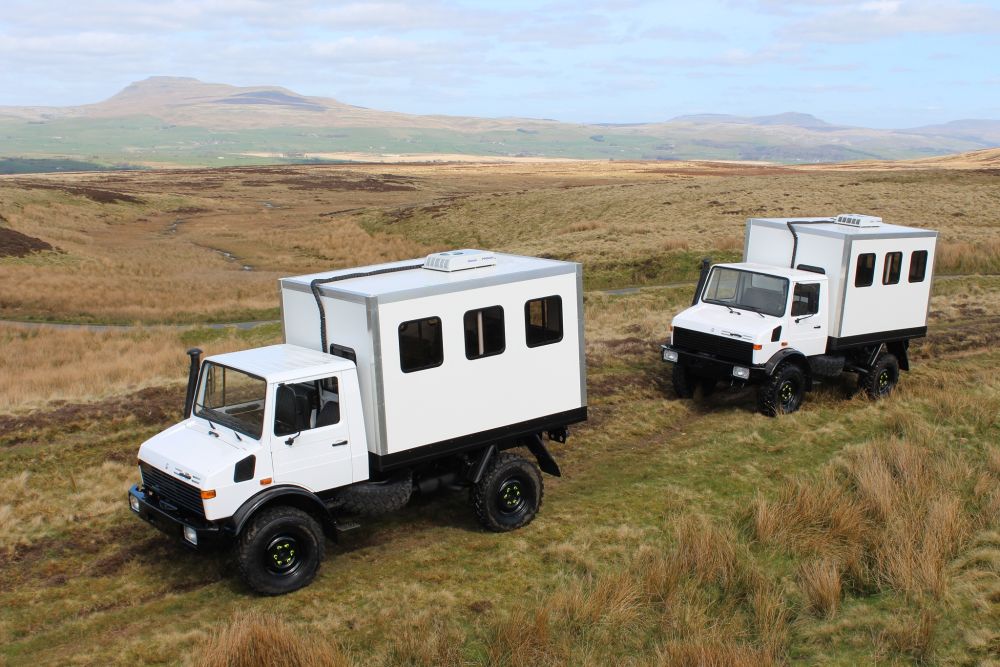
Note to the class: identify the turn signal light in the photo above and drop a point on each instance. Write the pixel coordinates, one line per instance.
(784, 343)
(265, 481)
(758, 346)
(208, 495)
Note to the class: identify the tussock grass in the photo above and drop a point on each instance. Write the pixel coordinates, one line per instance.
(253, 638)
(821, 584)
(884, 513)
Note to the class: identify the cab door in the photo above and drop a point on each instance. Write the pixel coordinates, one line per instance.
(310, 435)
(808, 318)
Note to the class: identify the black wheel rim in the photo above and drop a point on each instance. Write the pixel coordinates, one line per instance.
(787, 395)
(884, 381)
(283, 555)
(512, 496)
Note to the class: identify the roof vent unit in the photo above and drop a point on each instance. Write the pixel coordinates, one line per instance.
(858, 220)
(457, 260)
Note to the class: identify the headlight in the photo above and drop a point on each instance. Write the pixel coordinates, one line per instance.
(191, 535)
(133, 503)
(669, 355)
(741, 372)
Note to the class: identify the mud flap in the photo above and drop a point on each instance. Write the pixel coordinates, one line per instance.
(545, 460)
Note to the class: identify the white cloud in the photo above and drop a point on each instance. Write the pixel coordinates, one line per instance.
(870, 21)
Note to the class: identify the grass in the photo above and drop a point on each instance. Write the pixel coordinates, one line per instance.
(682, 532)
(209, 245)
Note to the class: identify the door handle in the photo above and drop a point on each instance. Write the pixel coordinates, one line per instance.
(816, 327)
(339, 443)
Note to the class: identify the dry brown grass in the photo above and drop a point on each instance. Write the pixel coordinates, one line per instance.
(886, 514)
(820, 582)
(161, 258)
(912, 636)
(254, 638)
(41, 365)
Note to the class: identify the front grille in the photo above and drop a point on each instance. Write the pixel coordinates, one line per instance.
(164, 486)
(720, 346)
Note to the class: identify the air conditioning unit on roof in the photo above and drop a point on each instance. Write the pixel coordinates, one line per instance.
(457, 260)
(858, 220)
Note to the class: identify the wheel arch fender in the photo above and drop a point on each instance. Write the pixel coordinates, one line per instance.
(793, 355)
(294, 496)
(899, 349)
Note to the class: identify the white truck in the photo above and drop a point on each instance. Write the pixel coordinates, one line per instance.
(392, 379)
(813, 297)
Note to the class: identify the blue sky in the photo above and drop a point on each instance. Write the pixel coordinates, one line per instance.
(877, 63)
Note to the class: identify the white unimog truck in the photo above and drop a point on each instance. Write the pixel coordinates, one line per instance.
(812, 298)
(394, 378)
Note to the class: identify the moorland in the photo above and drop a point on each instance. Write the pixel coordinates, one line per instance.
(682, 532)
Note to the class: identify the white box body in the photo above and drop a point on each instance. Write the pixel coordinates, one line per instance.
(462, 396)
(855, 312)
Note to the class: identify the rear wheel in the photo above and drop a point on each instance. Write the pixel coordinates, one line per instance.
(509, 494)
(280, 551)
(882, 378)
(783, 392)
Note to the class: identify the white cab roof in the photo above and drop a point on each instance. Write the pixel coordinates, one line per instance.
(508, 268)
(780, 271)
(282, 363)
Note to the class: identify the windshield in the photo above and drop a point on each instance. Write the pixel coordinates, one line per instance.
(747, 290)
(232, 398)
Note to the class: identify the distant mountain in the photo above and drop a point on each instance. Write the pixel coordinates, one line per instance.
(789, 119)
(184, 121)
(984, 131)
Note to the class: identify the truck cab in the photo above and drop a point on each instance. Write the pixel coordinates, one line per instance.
(261, 419)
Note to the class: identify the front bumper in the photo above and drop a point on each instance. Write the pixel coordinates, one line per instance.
(172, 523)
(710, 366)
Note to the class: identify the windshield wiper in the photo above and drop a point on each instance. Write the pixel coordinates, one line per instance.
(202, 406)
(731, 310)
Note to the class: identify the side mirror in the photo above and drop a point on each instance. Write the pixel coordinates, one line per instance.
(291, 440)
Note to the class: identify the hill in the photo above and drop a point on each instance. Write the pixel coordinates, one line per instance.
(178, 121)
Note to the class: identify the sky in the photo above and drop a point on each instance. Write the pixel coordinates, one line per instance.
(876, 63)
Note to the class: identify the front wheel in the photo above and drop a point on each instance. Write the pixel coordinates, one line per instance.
(509, 494)
(783, 392)
(882, 378)
(280, 551)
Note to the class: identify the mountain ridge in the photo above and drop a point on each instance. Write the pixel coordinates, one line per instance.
(170, 119)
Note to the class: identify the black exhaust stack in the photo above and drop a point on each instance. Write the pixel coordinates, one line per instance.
(706, 264)
(195, 354)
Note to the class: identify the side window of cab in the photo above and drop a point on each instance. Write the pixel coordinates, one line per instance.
(301, 406)
(805, 299)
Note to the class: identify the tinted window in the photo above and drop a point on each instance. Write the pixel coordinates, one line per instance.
(543, 321)
(484, 335)
(864, 275)
(805, 299)
(301, 406)
(918, 266)
(893, 265)
(420, 344)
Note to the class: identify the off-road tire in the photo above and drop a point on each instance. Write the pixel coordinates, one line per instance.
(683, 381)
(783, 392)
(882, 378)
(376, 498)
(280, 551)
(509, 494)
